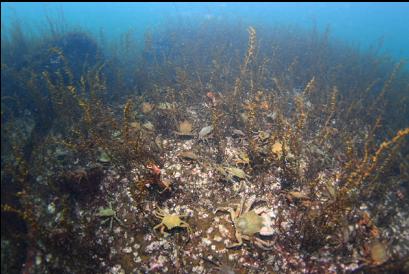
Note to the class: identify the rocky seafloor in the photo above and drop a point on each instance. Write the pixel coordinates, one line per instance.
(129, 244)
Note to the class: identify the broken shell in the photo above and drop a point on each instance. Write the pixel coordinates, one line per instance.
(205, 131)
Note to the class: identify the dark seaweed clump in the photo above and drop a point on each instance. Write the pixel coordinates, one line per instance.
(325, 128)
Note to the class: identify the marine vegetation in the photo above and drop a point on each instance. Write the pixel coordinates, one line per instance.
(196, 118)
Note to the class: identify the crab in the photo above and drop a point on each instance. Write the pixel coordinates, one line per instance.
(379, 252)
(250, 222)
(241, 158)
(262, 136)
(375, 253)
(170, 221)
(78, 175)
(158, 179)
(231, 174)
(185, 129)
(109, 214)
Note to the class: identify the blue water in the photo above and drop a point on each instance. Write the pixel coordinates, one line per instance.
(359, 24)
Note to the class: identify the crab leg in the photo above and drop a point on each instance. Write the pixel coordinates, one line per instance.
(110, 223)
(252, 202)
(232, 212)
(104, 221)
(119, 221)
(184, 215)
(162, 230)
(159, 213)
(239, 210)
(263, 244)
(186, 225)
(239, 238)
(157, 226)
(166, 188)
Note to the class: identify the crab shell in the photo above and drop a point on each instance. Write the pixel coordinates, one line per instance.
(171, 221)
(105, 212)
(251, 222)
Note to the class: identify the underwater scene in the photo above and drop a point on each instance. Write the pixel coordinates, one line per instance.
(204, 138)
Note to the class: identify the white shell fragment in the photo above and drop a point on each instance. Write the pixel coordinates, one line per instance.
(204, 132)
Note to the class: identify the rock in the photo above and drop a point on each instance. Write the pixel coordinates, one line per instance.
(188, 155)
